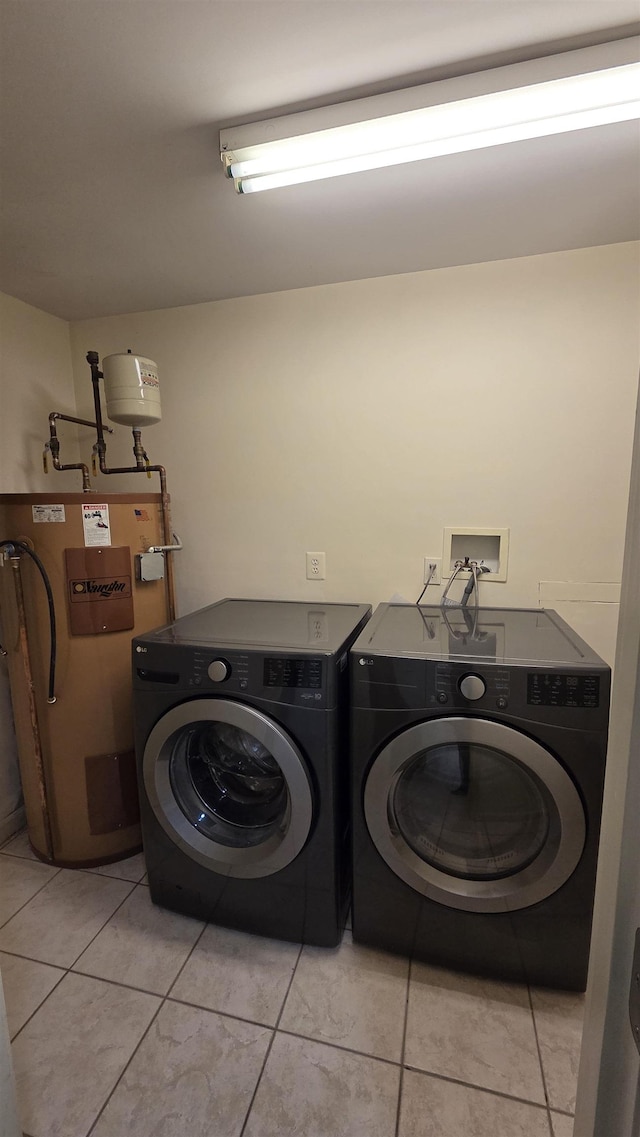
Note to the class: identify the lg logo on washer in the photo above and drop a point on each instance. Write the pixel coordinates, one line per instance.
(365, 662)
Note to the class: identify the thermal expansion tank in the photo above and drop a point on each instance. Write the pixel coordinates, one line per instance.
(132, 390)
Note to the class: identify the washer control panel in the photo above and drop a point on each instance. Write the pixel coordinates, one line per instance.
(297, 679)
(301, 674)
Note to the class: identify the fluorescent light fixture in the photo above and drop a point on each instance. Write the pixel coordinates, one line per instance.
(553, 95)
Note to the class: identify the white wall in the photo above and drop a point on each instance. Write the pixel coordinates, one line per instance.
(35, 378)
(608, 1100)
(362, 418)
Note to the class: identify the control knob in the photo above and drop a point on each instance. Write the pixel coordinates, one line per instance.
(472, 687)
(218, 671)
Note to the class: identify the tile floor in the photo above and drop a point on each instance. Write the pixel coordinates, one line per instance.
(130, 1020)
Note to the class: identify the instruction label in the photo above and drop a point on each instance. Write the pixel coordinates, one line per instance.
(95, 522)
(148, 376)
(48, 512)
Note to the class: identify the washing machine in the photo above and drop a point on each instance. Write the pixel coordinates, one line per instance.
(478, 746)
(241, 726)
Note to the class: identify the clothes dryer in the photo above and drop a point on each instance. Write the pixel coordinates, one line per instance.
(241, 723)
(478, 757)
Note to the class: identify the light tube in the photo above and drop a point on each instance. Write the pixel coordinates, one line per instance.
(574, 102)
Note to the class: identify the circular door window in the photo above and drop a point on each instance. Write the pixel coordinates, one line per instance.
(229, 787)
(474, 814)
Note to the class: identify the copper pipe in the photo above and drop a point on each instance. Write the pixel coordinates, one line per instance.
(145, 468)
(139, 451)
(142, 466)
(70, 418)
(54, 446)
(33, 711)
(167, 534)
(168, 557)
(58, 465)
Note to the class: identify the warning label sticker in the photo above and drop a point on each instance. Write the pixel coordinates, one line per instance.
(48, 512)
(95, 522)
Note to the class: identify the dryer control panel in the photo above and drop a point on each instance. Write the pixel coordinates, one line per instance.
(455, 680)
(546, 689)
(567, 698)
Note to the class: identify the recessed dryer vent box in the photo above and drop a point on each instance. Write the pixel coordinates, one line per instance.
(486, 546)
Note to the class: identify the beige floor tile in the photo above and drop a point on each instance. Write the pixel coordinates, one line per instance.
(142, 945)
(562, 1124)
(131, 868)
(238, 974)
(69, 1056)
(64, 917)
(351, 995)
(432, 1107)
(19, 881)
(19, 846)
(193, 1076)
(475, 1030)
(558, 1016)
(26, 985)
(312, 1090)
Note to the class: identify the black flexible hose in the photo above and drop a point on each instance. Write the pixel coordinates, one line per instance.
(52, 612)
(469, 587)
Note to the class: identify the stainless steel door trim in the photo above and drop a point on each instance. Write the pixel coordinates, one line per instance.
(541, 878)
(256, 861)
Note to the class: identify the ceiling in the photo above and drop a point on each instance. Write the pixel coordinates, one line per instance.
(113, 196)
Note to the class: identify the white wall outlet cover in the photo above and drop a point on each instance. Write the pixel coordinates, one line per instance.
(316, 566)
(437, 575)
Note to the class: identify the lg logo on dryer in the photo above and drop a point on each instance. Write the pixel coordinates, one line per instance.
(365, 661)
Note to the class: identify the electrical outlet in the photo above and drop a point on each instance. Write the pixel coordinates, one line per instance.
(316, 566)
(318, 627)
(428, 564)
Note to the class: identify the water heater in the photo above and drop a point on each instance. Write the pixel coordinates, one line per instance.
(76, 754)
(132, 390)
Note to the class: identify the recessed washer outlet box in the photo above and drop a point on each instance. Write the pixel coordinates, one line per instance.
(485, 546)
